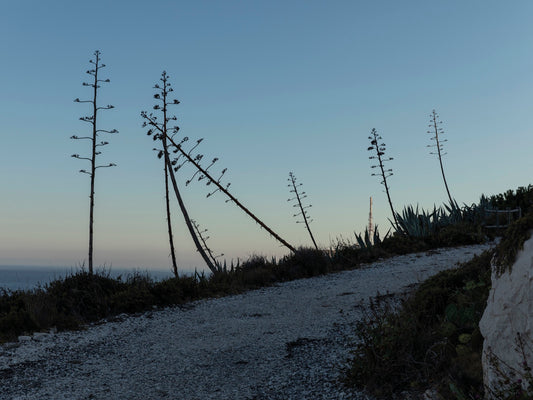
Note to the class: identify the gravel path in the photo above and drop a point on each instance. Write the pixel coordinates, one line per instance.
(284, 342)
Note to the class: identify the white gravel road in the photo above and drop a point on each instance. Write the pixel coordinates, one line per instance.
(283, 342)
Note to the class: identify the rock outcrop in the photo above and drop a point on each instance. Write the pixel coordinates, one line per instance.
(507, 324)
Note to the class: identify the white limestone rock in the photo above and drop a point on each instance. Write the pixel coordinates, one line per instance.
(509, 313)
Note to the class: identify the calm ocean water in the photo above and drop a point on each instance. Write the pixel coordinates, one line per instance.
(21, 277)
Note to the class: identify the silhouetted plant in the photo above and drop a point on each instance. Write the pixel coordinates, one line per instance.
(379, 149)
(420, 223)
(92, 119)
(160, 131)
(82, 297)
(370, 238)
(164, 91)
(299, 196)
(200, 232)
(202, 173)
(436, 130)
(415, 345)
(522, 198)
(169, 223)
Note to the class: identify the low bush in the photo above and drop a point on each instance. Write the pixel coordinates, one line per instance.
(521, 197)
(513, 241)
(82, 298)
(432, 339)
(83, 295)
(460, 234)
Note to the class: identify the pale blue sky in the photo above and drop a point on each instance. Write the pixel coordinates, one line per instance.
(273, 87)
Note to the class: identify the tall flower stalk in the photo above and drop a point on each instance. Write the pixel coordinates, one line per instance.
(159, 130)
(436, 130)
(95, 144)
(164, 91)
(203, 173)
(379, 148)
(201, 234)
(299, 196)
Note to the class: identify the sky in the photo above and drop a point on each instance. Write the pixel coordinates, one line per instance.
(273, 87)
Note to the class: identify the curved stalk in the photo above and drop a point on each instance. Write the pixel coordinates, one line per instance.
(188, 222)
(380, 151)
(439, 147)
(231, 197)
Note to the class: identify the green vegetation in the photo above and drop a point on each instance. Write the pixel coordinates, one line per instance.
(432, 339)
(83, 298)
(513, 241)
(521, 197)
(415, 223)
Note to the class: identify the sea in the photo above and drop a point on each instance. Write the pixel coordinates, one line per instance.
(31, 277)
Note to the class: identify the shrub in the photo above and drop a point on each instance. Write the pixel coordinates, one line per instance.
(460, 234)
(513, 241)
(310, 262)
(84, 295)
(403, 244)
(432, 336)
(521, 197)
(16, 321)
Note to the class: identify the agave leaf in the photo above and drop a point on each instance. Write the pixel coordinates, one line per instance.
(376, 238)
(368, 242)
(360, 241)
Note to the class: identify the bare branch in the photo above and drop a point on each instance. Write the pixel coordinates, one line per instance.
(106, 166)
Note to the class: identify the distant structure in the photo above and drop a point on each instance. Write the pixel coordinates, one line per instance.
(370, 226)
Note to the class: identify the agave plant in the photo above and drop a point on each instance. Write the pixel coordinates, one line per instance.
(413, 222)
(455, 213)
(369, 239)
(475, 213)
(421, 223)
